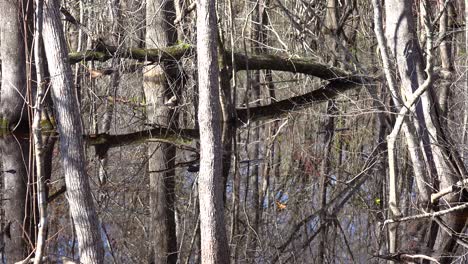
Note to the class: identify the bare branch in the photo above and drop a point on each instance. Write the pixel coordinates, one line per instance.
(427, 215)
(451, 189)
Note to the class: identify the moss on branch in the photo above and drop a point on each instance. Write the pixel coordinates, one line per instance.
(181, 137)
(104, 52)
(308, 66)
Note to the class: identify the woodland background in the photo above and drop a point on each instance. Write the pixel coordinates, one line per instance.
(310, 93)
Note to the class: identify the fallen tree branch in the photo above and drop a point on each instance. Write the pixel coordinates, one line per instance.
(182, 136)
(283, 107)
(309, 66)
(104, 52)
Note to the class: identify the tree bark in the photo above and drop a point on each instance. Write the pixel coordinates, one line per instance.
(13, 113)
(214, 245)
(71, 142)
(15, 156)
(159, 87)
(331, 39)
(116, 20)
(14, 116)
(404, 46)
(446, 60)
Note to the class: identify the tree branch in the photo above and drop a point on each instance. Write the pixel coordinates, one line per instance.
(451, 189)
(300, 102)
(105, 141)
(427, 215)
(308, 66)
(181, 136)
(103, 52)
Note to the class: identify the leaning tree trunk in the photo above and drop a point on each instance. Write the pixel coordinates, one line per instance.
(214, 245)
(71, 138)
(158, 87)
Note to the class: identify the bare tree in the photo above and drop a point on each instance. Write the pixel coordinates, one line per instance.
(15, 39)
(214, 245)
(324, 185)
(15, 172)
(70, 130)
(417, 81)
(159, 87)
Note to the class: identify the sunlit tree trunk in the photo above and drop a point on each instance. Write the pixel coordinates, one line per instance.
(445, 49)
(14, 116)
(214, 247)
(403, 43)
(71, 138)
(13, 112)
(159, 87)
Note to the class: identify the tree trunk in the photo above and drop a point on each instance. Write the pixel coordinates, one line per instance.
(159, 88)
(446, 60)
(259, 38)
(403, 43)
(116, 20)
(14, 116)
(15, 153)
(214, 245)
(13, 113)
(71, 138)
(331, 38)
(324, 174)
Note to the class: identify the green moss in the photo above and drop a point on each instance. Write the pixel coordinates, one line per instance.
(4, 124)
(182, 45)
(4, 127)
(47, 125)
(177, 50)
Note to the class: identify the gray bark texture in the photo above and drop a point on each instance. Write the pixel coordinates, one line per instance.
(12, 52)
(71, 142)
(15, 153)
(13, 116)
(214, 246)
(159, 88)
